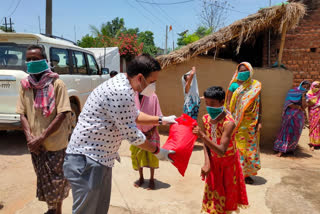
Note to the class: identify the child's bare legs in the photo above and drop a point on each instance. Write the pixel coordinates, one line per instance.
(279, 154)
(139, 182)
(151, 182)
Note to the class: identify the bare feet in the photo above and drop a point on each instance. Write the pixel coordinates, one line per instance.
(249, 180)
(139, 182)
(151, 185)
(312, 148)
(279, 154)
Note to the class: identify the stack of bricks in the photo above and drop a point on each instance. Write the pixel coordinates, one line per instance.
(301, 53)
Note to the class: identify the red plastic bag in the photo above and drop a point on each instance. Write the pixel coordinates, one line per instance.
(181, 140)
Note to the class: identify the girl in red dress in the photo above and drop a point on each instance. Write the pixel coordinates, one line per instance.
(225, 190)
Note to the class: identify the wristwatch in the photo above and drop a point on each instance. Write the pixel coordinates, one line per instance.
(160, 120)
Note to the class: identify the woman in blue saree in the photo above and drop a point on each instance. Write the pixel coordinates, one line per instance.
(293, 119)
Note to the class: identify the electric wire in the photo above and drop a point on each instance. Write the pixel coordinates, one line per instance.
(140, 13)
(15, 8)
(150, 12)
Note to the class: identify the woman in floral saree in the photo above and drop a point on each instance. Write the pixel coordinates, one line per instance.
(244, 103)
(313, 99)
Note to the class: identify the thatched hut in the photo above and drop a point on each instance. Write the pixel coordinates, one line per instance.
(217, 55)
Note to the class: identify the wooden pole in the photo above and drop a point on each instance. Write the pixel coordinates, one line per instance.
(49, 17)
(283, 39)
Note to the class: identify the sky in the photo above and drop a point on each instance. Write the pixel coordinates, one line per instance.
(72, 18)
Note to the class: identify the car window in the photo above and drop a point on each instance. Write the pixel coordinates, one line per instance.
(12, 56)
(79, 63)
(92, 64)
(60, 60)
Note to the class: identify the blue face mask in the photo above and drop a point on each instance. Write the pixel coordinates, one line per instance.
(215, 112)
(243, 76)
(37, 67)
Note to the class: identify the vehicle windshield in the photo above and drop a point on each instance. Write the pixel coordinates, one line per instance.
(13, 56)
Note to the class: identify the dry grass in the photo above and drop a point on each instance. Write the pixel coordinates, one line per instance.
(268, 18)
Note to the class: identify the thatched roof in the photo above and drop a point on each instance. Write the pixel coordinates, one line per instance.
(268, 18)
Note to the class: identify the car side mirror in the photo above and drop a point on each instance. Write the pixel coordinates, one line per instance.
(105, 70)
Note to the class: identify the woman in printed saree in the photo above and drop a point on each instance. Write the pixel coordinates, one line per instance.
(292, 120)
(313, 99)
(245, 107)
(141, 158)
(191, 94)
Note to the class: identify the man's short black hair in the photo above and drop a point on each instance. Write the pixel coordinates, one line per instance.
(215, 92)
(113, 73)
(40, 47)
(144, 64)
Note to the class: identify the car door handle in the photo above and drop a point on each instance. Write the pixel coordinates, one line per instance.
(94, 78)
(77, 80)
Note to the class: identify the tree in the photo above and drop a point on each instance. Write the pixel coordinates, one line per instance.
(191, 38)
(131, 31)
(3, 28)
(185, 38)
(87, 42)
(129, 46)
(181, 35)
(114, 34)
(147, 39)
(203, 31)
(214, 13)
(111, 29)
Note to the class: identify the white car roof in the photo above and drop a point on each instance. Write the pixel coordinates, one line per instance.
(40, 39)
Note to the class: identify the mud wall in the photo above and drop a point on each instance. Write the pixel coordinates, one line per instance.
(275, 84)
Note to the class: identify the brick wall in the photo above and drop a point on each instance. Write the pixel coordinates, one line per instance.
(301, 53)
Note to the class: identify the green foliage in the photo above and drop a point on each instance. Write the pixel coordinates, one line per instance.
(87, 41)
(3, 28)
(110, 33)
(191, 38)
(131, 31)
(111, 29)
(185, 38)
(147, 39)
(203, 31)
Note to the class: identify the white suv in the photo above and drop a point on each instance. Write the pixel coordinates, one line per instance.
(76, 66)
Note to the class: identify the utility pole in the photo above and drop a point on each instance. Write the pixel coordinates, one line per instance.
(269, 43)
(11, 29)
(49, 17)
(166, 46)
(39, 24)
(5, 24)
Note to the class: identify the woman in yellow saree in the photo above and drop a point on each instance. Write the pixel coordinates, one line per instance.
(244, 103)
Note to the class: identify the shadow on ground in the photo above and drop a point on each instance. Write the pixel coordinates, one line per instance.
(158, 185)
(258, 181)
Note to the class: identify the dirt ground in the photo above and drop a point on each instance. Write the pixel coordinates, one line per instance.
(284, 185)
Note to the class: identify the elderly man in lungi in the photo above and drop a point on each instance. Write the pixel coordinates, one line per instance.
(43, 105)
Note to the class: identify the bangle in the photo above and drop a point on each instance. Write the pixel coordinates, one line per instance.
(160, 120)
(157, 150)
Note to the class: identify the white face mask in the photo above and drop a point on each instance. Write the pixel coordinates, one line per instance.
(149, 90)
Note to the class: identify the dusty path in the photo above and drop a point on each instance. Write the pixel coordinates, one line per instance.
(284, 185)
